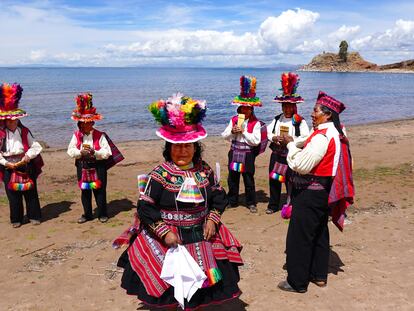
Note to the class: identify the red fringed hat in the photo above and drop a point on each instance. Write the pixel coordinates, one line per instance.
(85, 112)
(9, 102)
(290, 83)
(330, 102)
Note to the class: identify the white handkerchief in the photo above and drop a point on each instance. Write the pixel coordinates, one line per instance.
(181, 271)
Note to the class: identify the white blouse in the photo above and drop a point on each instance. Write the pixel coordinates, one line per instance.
(101, 154)
(283, 121)
(14, 145)
(252, 139)
(304, 160)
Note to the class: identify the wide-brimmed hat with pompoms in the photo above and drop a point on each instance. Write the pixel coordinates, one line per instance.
(84, 111)
(180, 118)
(9, 102)
(290, 83)
(247, 95)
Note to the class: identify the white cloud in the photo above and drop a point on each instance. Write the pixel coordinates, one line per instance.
(311, 46)
(47, 36)
(400, 37)
(344, 33)
(189, 43)
(37, 55)
(284, 31)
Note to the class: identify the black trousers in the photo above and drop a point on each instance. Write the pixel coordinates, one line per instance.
(233, 182)
(275, 186)
(307, 243)
(16, 200)
(100, 194)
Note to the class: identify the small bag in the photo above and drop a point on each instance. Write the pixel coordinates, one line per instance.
(238, 161)
(20, 181)
(279, 172)
(89, 179)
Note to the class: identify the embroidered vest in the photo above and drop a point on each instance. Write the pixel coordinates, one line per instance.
(250, 124)
(96, 136)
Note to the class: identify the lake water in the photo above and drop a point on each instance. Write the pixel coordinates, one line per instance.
(122, 95)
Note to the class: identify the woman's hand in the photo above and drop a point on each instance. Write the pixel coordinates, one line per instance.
(277, 139)
(209, 229)
(10, 165)
(287, 139)
(171, 239)
(25, 159)
(236, 129)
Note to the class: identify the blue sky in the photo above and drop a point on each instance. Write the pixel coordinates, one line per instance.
(200, 33)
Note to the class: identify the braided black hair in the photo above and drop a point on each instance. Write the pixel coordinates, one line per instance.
(334, 117)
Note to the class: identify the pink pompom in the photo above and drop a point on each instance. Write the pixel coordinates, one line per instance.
(286, 211)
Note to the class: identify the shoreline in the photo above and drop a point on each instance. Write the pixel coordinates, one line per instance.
(359, 71)
(51, 147)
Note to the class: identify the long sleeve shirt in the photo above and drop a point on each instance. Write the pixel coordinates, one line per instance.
(101, 154)
(14, 145)
(252, 139)
(304, 160)
(287, 122)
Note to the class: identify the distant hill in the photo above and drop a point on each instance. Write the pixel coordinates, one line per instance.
(405, 65)
(354, 63)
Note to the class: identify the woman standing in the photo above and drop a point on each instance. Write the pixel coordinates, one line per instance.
(244, 132)
(316, 166)
(182, 204)
(288, 123)
(95, 154)
(20, 158)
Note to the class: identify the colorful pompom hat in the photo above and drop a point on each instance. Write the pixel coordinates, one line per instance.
(290, 83)
(330, 102)
(247, 95)
(84, 111)
(180, 118)
(9, 102)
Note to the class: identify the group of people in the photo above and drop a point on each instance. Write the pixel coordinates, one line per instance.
(179, 251)
(21, 162)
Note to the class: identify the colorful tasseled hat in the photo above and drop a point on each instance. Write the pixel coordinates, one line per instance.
(9, 102)
(180, 118)
(330, 102)
(290, 83)
(247, 95)
(84, 111)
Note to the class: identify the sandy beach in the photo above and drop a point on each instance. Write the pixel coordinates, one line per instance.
(61, 265)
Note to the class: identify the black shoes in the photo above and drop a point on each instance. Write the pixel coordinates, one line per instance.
(83, 219)
(270, 211)
(284, 285)
(103, 219)
(319, 283)
(252, 208)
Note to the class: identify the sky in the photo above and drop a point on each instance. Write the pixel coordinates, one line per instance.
(203, 33)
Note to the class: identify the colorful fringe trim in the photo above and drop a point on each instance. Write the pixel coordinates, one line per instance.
(90, 185)
(213, 276)
(190, 192)
(277, 176)
(237, 167)
(142, 182)
(19, 186)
